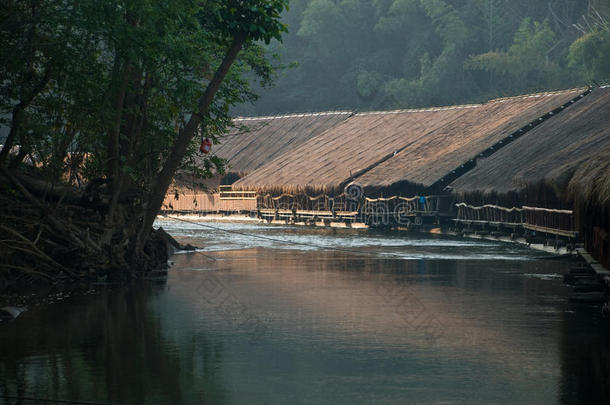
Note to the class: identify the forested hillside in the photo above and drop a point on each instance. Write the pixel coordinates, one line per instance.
(378, 54)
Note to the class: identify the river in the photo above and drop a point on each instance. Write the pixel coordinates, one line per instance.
(265, 314)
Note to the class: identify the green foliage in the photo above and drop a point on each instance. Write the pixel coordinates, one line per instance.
(368, 83)
(319, 17)
(446, 21)
(364, 54)
(526, 61)
(260, 19)
(81, 71)
(590, 56)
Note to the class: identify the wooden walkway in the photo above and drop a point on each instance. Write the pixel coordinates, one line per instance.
(534, 219)
(532, 223)
(395, 211)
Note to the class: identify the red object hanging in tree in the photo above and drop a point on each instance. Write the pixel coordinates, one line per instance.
(206, 145)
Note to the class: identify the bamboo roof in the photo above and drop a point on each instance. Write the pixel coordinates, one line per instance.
(379, 149)
(591, 181)
(258, 140)
(549, 153)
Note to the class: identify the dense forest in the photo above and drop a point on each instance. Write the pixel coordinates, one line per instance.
(380, 54)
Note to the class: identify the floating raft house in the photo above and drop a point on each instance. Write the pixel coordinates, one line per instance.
(252, 142)
(562, 165)
(536, 165)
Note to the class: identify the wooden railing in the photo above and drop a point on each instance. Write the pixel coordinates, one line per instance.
(559, 222)
(227, 193)
(490, 213)
(304, 202)
(545, 219)
(323, 202)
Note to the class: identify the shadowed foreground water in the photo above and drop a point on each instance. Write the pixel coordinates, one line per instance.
(385, 319)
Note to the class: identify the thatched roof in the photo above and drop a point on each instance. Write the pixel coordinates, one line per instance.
(591, 181)
(255, 141)
(550, 153)
(258, 140)
(379, 149)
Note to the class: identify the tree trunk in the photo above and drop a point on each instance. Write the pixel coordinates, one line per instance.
(166, 175)
(17, 116)
(114, 152)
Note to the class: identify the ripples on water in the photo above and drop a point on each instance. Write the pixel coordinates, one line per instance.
(220, 236)
(286, 315)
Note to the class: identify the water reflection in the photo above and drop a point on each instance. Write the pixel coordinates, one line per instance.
(282, 326)
(585, 357)
(110, 347)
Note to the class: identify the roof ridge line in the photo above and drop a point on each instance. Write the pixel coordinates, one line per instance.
(407, 110)
(534, 95)
(295, 115)
(423, 109)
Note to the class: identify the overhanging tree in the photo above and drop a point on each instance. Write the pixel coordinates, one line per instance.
(114, 95)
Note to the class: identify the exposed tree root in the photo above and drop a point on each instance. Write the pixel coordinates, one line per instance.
(54, 233)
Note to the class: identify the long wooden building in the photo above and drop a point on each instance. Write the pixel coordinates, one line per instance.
(538, 164)
(557, 175)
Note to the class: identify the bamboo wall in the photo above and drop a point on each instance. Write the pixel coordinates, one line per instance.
(204, 202)
(597, 242)
(594, 226)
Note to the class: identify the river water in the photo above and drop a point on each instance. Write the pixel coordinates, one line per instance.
(282, 315)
